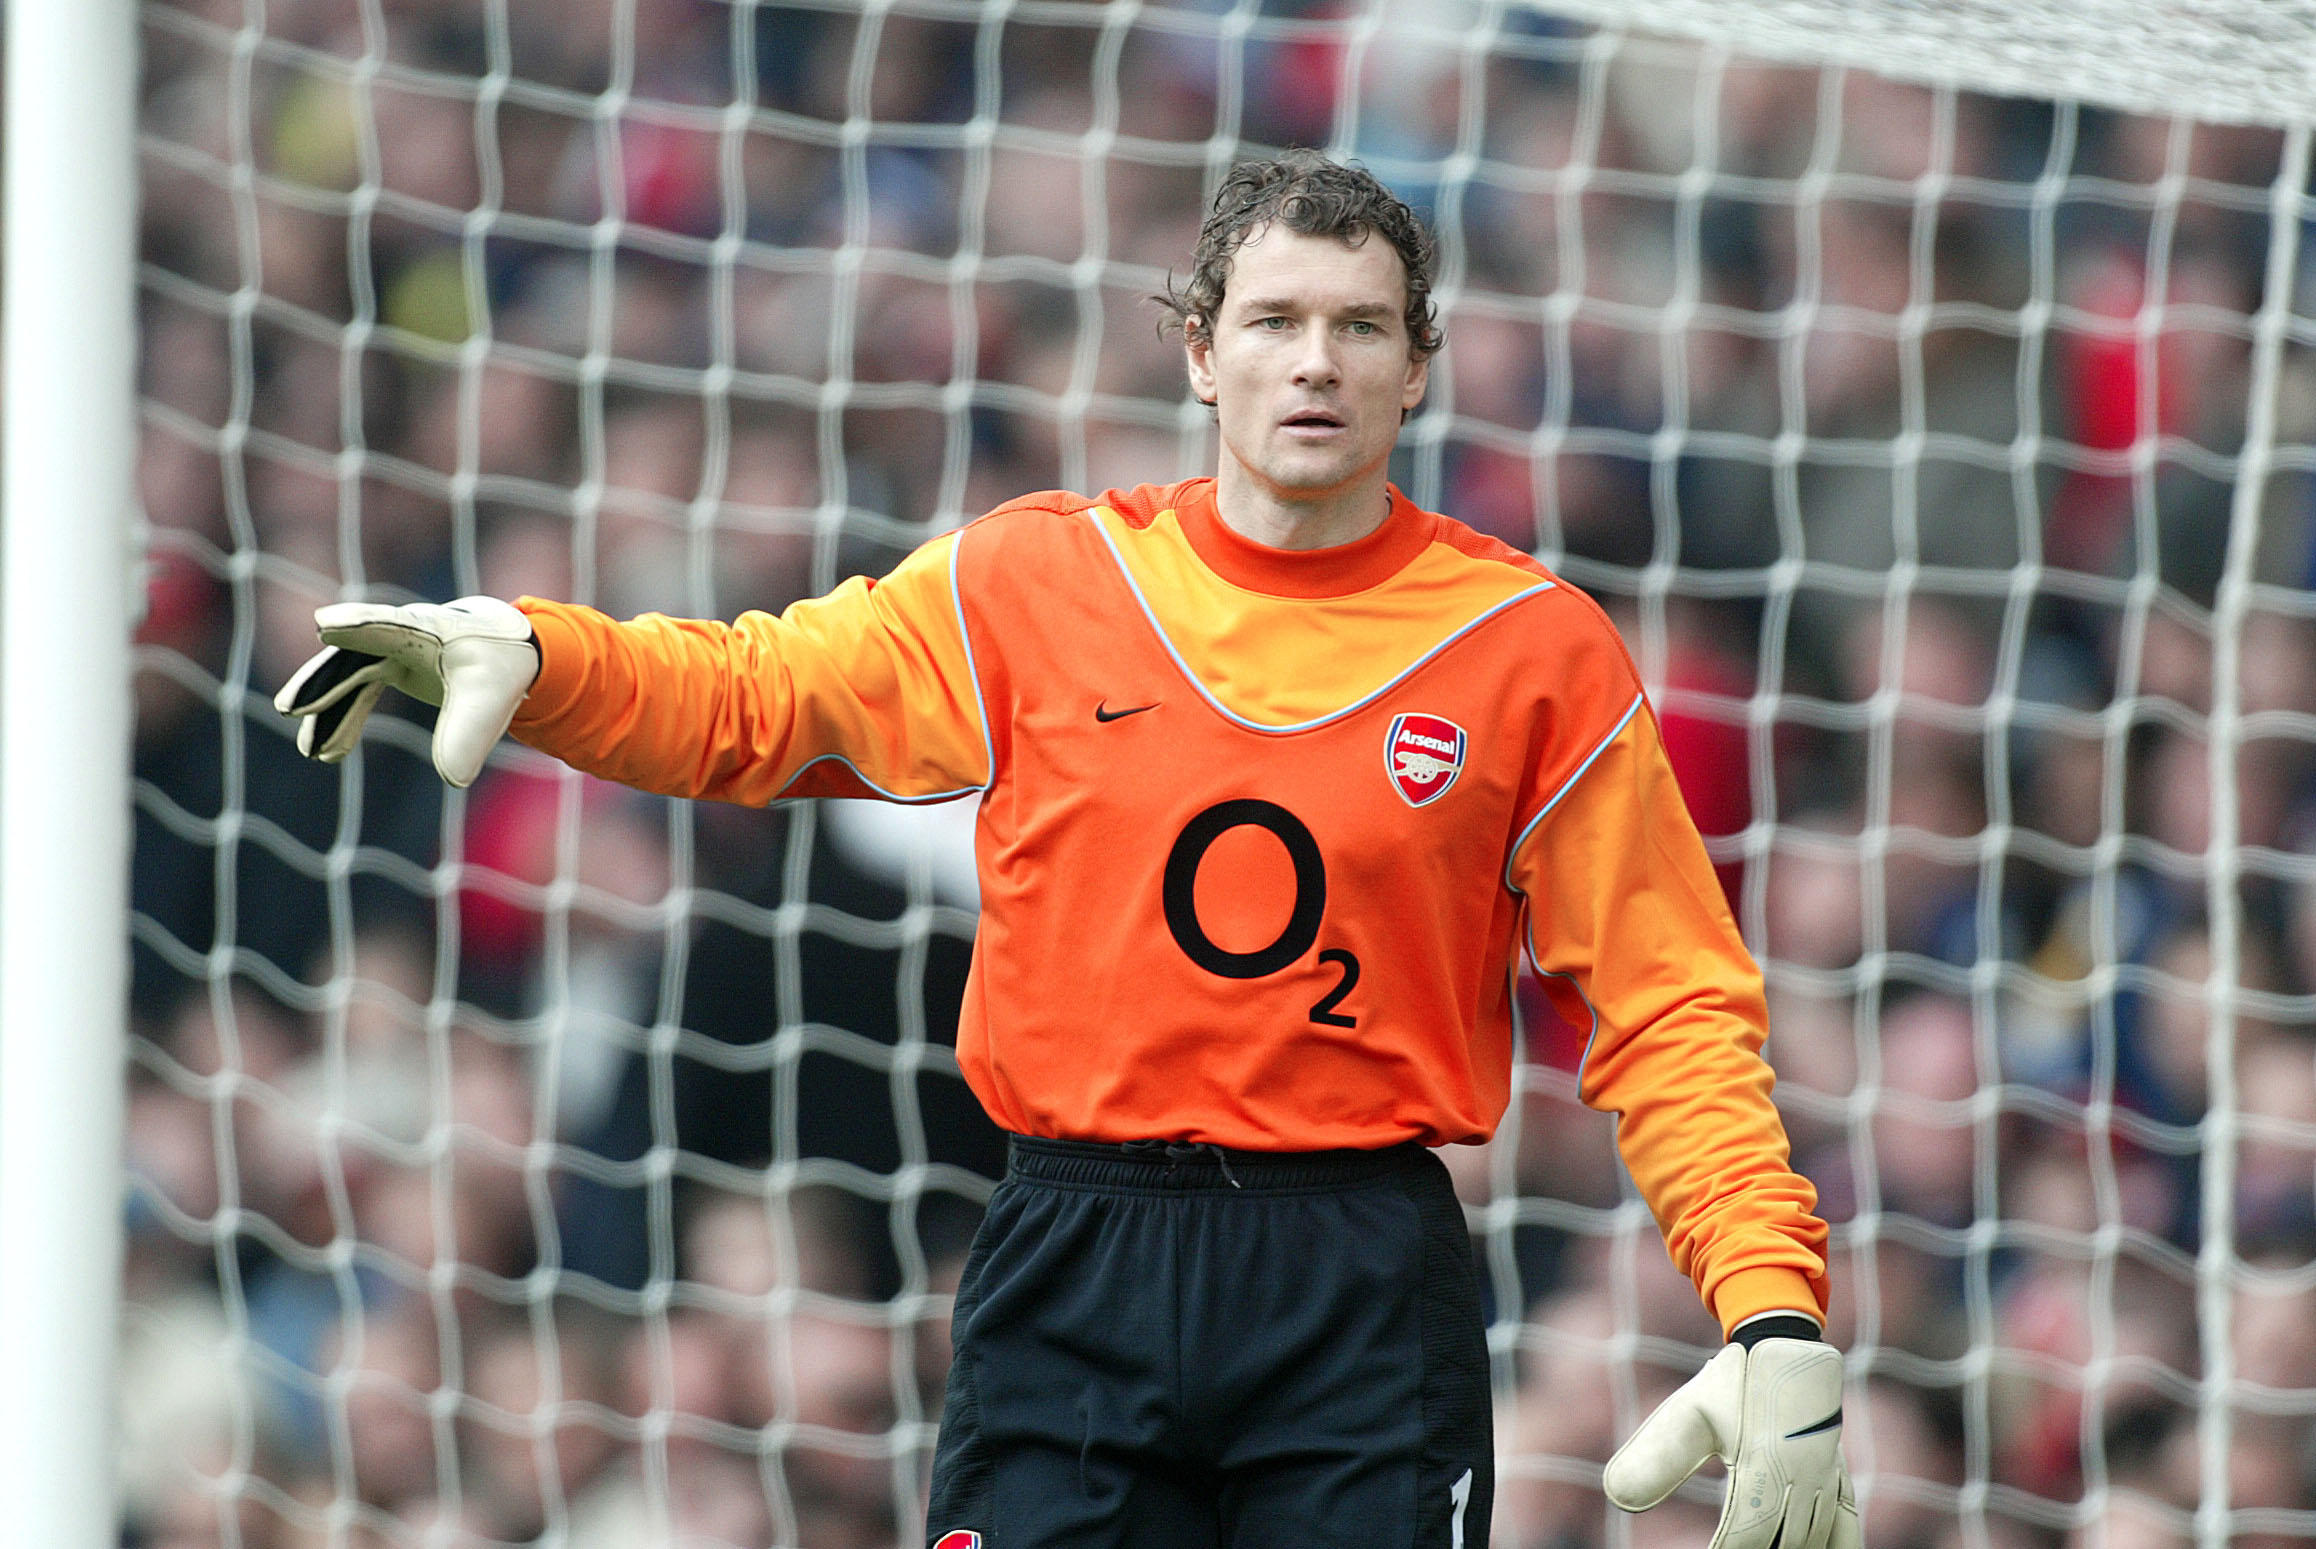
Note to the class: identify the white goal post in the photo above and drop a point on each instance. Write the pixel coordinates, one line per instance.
(680, 302)
(69, 451)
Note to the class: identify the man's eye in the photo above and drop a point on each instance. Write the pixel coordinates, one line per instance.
(1362, 327)
(1274, 324)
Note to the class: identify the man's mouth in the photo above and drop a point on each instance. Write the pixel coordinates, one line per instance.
(1313, 419)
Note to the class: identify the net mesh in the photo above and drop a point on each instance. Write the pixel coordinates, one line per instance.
(548, 1164)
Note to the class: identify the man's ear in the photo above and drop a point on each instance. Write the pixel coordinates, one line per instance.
(1198, 359)
(1418, 378)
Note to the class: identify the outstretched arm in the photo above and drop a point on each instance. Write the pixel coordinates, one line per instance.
(868, 691)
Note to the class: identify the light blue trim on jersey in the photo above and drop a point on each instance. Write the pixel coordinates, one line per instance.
(1228, 714)
(988, 750)
(1590, 1009)
(972, 668)
(1528, 929)
(1561, 795)
(881, 793)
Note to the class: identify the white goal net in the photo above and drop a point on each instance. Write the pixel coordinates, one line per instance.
(1925, 389)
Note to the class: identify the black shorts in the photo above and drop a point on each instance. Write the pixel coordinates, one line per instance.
(1195, 1349)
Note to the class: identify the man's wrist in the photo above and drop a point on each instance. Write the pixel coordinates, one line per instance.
(1775, 1325)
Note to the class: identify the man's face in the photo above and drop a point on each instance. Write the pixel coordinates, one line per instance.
(1308, 364)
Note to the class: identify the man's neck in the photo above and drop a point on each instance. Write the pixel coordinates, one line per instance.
(1264, 516)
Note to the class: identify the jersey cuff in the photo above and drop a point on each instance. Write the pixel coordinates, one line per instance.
(1789, 1323)
(562, 664)
(1749, 1293)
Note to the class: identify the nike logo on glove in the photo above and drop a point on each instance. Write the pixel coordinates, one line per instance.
(1103, 712)
(1827, 1424)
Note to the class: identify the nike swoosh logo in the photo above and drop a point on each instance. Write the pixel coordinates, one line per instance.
(1827, 1424)
(1103, 712)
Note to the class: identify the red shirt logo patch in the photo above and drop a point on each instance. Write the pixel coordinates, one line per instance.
(961, 1539)
(1423, 755)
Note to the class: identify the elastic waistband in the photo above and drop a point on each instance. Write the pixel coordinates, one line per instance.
(1180, 1165)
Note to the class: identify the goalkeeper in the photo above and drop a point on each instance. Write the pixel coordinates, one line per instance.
(1278, 773)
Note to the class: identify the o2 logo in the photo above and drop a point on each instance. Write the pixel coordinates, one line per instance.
(1297, 936)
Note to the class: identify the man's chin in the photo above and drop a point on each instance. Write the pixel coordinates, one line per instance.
(1310, 475)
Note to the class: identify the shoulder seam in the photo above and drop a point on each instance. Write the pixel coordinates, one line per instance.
(1590, 605)
(1516, 562)
(1481, 548)
(1053, 502)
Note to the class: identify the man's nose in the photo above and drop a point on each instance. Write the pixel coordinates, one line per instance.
(1315, 364)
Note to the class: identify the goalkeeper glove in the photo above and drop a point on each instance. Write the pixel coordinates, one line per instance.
(1773, 1413)
(475, 658)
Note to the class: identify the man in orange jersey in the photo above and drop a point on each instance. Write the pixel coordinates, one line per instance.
(1278, 774)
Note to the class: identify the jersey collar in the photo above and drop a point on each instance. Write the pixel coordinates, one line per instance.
(1334, 572)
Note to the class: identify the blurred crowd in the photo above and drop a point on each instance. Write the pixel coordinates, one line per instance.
(549, 1164)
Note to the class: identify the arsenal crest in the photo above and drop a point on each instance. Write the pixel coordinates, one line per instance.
(1423, 755)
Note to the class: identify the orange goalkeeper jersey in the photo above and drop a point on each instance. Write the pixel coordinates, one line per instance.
(1261, 835)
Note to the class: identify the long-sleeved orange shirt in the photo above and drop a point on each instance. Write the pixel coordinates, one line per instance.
(1261, 835)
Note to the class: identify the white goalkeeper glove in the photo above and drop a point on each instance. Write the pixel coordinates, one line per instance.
(1773, 1413)
(475, 658)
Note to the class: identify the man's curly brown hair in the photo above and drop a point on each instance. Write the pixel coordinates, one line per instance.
(1319, 197)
